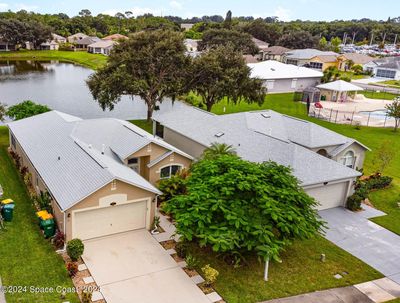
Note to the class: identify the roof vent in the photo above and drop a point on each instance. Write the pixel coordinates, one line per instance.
(59, 158)
(273, 69)
(220, 134)
(265, 115)
(90, 146)
(103, 147)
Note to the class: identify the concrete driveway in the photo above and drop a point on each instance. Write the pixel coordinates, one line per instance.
(373, 244)
(133, 267)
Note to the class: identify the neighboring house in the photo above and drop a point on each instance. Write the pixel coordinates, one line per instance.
(262, 46)
(275, 53)
(76, 37)
(325, 162)
(344, 60)
(387, 68)
(99, 173)
(58, 38)
(49, 45)
(280, 77)
(322, 62)
(115, 37)
(85, 42)
(6, 47)
(103, 47)
(337, 91)
(301, 57)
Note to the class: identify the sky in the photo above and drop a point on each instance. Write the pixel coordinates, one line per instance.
(286, 10)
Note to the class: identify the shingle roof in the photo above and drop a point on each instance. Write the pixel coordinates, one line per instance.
(276, 50)
(388, 62)
(272, 69)
(71, 162)
(261, 136)
(307, 53)
(358, 58)
(326, 58)
(88, 40)
(103, 43)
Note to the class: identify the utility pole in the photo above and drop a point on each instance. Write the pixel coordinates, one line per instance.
(372, 39)
(395, 40)
(354, 38)
(344, 38)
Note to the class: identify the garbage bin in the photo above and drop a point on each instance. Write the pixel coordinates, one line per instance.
(43, 215)
(7, 212)
(48, 227)
(7, 201)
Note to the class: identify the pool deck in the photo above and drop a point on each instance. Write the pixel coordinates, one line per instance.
(350, 111)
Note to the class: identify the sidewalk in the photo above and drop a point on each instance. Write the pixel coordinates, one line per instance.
(2, 296)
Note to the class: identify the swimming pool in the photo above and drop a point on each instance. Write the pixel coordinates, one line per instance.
(377, 114)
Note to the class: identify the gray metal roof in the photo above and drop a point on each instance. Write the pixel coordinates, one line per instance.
(71, 165)
(261, 136)
(307, 53)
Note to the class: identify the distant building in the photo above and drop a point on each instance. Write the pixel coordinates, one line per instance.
(356, 59)
(103, 47)
(388, 68)
(49, 45)
(301, 57)
(115, 37)
(58, 38)
(186, 26)
(6, 47)
(280, 77)
(76, 37)
(274, 53)
(322, 62)
(85, 42)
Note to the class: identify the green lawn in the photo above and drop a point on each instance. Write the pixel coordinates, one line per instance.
(27, 259)
(379, 95)
(147, 126)
(352, 76)
(391, 83)
(93, 61)
(300, 272)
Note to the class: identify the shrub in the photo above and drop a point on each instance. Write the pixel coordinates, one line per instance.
(59, 240)
(24, 171)
(156, 223)
(210, 274)
(26, 109)
(354, 202)
(378, 182)
(86, 296)
(72, 268)
(44, 201)
(191, 262)
(75, 249)
(181, 249)
(171, 187)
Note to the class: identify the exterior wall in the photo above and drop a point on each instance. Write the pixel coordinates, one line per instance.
(173, 159)
(132, 192)
(359, 153)
(285, 85)
(325, 65)
(185, 144)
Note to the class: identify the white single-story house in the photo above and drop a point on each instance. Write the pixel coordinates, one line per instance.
(100, 173)
(280, 77)
(325, 162)
(6, 46)
(103, 47)
(58, 38)
(85, 42)
(49, 45)
(386, 68)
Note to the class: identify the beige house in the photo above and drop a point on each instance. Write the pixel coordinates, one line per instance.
(337, 91)
(101, 173)
(325, 162)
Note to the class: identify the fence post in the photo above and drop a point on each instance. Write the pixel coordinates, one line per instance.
(352, 116)
(319, 113)
(384, 123)
(337, 111)
(330, 115)
(369, 115)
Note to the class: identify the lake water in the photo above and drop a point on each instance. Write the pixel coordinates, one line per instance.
(62, 87)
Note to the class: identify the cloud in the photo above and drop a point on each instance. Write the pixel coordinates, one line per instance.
(3, 6)
(282, 13)
(176, 4)
(136, 11)
(26, 7)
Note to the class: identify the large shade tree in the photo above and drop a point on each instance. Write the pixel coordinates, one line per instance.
(150, 64)
(236, 206)
(298, 39)
(241, 42)
(221, 72)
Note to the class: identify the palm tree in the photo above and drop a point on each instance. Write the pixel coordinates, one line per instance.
(218, 149)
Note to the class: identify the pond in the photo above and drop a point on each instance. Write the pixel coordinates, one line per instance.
(62, 87)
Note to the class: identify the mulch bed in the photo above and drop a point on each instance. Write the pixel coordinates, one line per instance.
(168, 244)
(191, 272)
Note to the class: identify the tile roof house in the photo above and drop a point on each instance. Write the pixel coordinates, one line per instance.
(301, 57)
(324, 162)
(100, 173)
(115, 37)
(103, 47)
(281, 77)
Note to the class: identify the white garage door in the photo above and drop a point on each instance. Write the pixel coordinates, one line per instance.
(109, 220)
(330, 195)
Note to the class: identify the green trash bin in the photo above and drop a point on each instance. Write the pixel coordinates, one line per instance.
(49, 227)
(7, 212)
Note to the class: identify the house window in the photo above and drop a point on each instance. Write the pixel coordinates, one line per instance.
(13, 141)
(385, 73)
(348, 159)
(168, 171)
(316, 65)
(133, 163)
(270, 84)
(291, 61)
(114, 185)
(159, 130)
(294, 84)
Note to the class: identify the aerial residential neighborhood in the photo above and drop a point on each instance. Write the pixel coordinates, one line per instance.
(209, 152)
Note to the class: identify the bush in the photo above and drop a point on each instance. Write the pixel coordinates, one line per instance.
(72, 268)
(24, 171)
(181, 249)
(44, 201)
(75, 249)
(59, 240)
(171, 187)
(354, 202)
(191, 262)
(210, 274)
(378, 182)
(26, 109)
